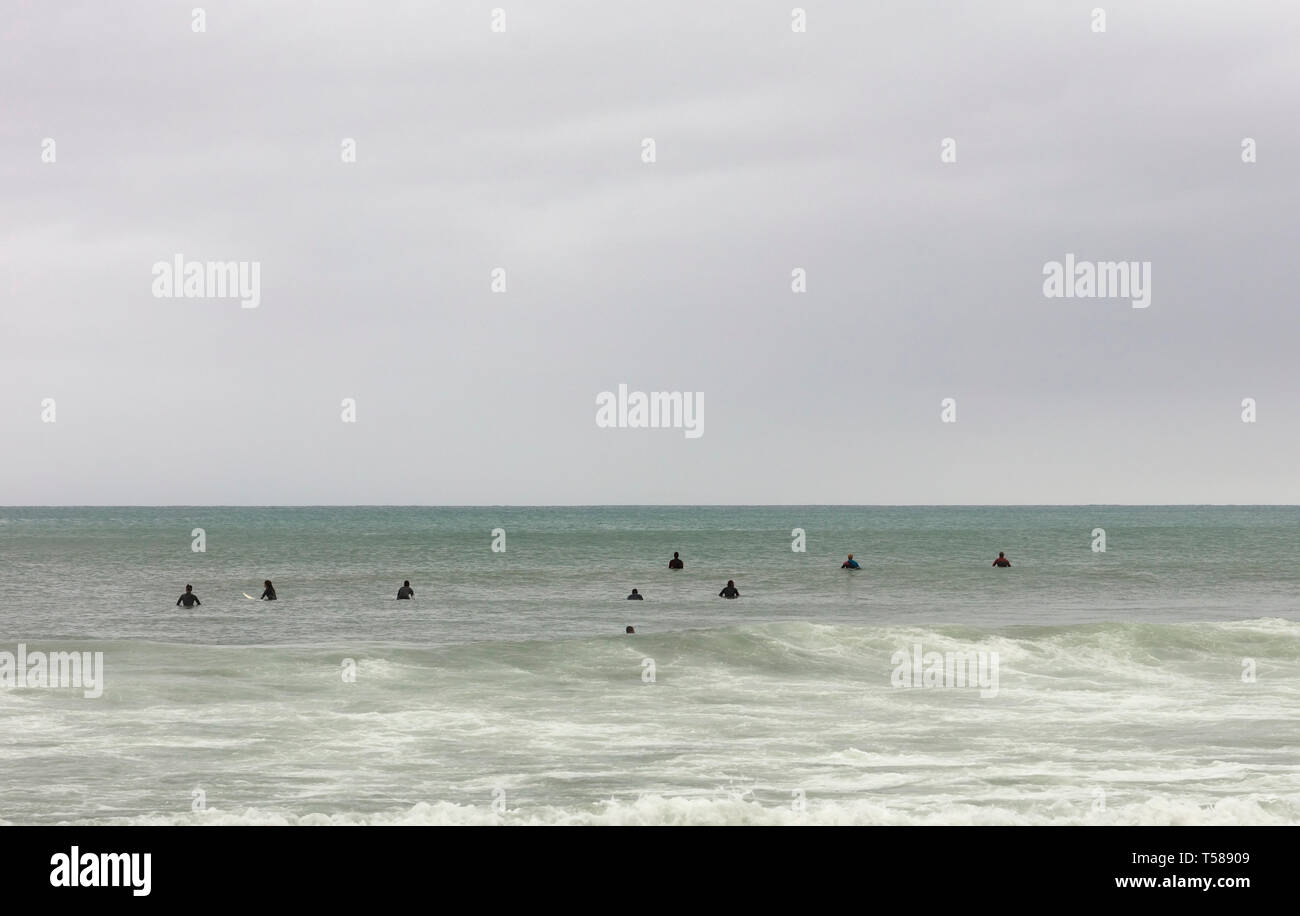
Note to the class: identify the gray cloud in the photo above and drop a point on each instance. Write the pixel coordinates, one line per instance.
(775, 150)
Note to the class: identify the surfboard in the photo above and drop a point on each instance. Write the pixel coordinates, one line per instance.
(249, 597)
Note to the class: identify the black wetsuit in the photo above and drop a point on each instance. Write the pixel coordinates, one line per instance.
(405, 592)
(268, 594)
(635, 597)
(189, 599)
(729, 592)
(1002, 561)
(675, 563)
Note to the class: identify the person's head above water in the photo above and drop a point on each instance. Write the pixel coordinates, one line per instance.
(634, 591)
(731, 583)
(406, 583)
(189, 588)
(850, 556)
(674, 555)
(267, 583)
(1001, 555)
(629, 630)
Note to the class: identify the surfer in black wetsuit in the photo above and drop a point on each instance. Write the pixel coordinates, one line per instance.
(405, 591)
(676, 562)
(189, 599)
(268, 593)
(635, 596)
(1001, 560)
(730, 591)
(630, 630)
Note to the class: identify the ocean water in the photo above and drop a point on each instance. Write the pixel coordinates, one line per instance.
(1155, 683)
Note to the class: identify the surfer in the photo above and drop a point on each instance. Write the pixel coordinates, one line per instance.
(635, 596)
(676, 562)
(629, 630)
(1001, 560)
(268, 593)
(189, 599)
(850, 563)
(730, 591)
(405, 591)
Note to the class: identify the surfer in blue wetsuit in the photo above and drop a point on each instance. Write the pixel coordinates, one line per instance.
(730, 591)
(850, 563)
(268, 593)
(405, 592)
(189, 599)
(635, 596)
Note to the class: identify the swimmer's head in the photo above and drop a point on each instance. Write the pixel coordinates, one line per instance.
(629, 630)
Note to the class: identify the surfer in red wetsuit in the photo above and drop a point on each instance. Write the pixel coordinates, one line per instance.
(1001, 560)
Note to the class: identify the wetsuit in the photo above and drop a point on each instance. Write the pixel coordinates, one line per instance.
(729, 592)
(635, 597)
(189, 599)
(405, 592)
(675, 563)
(1001, 561)
(850, 564)
(268, 594)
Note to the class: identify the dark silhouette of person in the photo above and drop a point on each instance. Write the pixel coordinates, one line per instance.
(730, 591)
(850, 563)
(629, 630)
(189, 599)
(268, 593)
(676, 562)
(1001, 560)
(406, 591)
(635, 596)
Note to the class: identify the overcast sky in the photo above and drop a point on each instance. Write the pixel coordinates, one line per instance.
(775, 150)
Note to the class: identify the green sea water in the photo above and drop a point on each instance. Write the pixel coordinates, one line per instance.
(1154, 682)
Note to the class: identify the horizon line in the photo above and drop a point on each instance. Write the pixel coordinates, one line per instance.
(652, 506)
